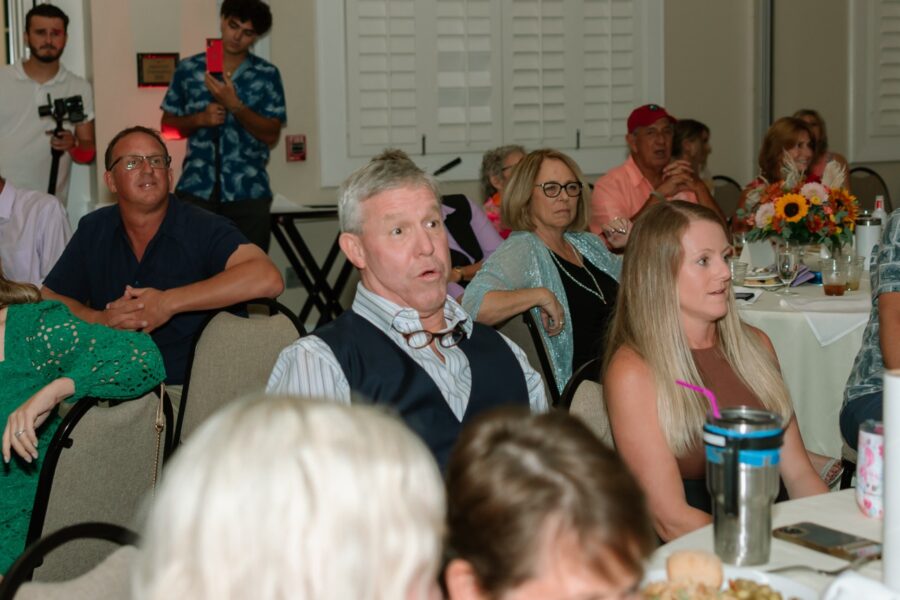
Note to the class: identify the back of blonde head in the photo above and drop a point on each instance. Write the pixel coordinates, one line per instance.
(13, 292)
(647, 320)
(279, 497)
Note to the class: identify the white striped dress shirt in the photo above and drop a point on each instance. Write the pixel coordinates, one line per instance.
(308, 367)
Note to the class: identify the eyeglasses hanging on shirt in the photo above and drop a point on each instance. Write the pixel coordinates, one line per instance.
(446, 339)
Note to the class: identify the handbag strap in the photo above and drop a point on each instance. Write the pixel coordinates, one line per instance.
(160, 426)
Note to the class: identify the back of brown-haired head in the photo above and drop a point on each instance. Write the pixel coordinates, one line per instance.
(513, 474)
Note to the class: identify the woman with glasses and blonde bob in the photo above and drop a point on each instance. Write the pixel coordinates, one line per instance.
(538, 508)
(676, 319)
(549, 265)
(279, 497)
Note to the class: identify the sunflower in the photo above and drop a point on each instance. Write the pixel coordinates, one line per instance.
(791, 207)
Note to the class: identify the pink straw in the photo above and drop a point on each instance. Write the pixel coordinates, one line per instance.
(708, 393)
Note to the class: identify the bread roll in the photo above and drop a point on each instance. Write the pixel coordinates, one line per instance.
(694, 566)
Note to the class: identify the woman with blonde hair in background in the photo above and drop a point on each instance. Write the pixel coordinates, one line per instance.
(278, 498)
(48, 355)
(675, 320)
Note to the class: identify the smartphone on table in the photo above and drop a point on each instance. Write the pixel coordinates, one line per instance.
(214, 56)
(828, 540)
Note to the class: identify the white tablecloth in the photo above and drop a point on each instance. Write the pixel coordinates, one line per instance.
(836, 510)
(815, 374)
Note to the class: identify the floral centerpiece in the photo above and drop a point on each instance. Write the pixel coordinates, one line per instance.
(804, 212)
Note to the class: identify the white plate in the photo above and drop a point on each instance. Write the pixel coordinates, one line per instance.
(788, 588)
(763, 285)
(761, 276)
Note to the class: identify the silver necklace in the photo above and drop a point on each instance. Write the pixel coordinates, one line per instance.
(598, 292)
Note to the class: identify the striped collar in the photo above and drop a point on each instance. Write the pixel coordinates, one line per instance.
(388, 316)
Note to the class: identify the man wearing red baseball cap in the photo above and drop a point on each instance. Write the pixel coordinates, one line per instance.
(648, 174)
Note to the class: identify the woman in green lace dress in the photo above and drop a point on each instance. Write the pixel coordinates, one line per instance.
(47, 355)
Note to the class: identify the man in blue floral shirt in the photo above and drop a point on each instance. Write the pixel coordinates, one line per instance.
(881, 341)
(230, 123)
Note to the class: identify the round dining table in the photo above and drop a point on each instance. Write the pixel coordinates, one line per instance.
(816, 338)
(837, 510)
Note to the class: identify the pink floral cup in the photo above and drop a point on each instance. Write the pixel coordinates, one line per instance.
(870, 469)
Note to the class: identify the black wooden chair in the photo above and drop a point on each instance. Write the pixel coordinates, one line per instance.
(727, 194)
(583, 398)
(866, 183)
(20, 572)
(524, 331)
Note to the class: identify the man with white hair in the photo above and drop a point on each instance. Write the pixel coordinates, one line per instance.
(405, 343)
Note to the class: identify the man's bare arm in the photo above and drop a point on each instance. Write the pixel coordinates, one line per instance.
(889, 328)
(248, 274)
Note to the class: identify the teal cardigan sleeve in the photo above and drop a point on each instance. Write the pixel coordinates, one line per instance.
(103, 362)
(522, 262)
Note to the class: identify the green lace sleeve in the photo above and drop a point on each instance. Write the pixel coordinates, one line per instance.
(103, 362)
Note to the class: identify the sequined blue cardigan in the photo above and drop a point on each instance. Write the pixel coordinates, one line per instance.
(523, 261)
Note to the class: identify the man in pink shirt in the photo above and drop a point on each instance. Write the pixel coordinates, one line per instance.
(649, 174)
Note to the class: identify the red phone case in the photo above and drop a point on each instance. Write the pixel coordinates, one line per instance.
(213, 55)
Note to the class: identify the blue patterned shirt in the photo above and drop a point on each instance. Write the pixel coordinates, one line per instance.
(244, 158)
(868, 368)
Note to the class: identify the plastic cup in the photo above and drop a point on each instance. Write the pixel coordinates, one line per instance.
(870, 469)
(738, 271)
(855, 267)
(834, 277)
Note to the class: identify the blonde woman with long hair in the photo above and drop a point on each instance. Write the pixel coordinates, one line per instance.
(675, 319)
(47, 355)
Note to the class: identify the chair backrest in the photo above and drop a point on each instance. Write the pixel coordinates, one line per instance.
(232, 356)
(727, 194)
(101, 464)
(583, 397)
(865, 184)
(523, 330)
(110, 579)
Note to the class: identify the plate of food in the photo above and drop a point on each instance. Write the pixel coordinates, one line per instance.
(701, 576)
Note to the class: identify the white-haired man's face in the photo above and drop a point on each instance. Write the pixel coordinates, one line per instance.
(402, 252)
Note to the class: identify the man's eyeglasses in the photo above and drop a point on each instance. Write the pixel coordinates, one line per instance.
(446, 339)
(552, 189)
(133, 161)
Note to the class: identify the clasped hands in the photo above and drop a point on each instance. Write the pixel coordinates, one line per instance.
(678, 176)
(226, 99)
(139, 309)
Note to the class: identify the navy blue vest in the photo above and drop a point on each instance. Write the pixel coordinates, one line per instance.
(380, 371)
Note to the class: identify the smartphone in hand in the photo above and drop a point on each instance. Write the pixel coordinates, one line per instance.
(214, 58)
(827, 540)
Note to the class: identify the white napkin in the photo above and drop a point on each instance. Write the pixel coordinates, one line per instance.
(830, 318)
(757, 292)
(758, 254)
(853, 586)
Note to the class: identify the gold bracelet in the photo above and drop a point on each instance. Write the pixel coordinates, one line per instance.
(459, 272)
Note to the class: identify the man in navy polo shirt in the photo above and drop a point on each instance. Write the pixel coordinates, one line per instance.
(230, 123)
(152, 263)
(405, 343)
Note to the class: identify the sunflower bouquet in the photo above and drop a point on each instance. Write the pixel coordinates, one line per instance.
(803, 212)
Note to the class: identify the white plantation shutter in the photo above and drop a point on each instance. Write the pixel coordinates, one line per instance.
(381, 88)
(447, 78)
(875, 80)
(466, 67)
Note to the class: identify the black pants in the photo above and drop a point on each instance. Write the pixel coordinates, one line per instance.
(250, 216)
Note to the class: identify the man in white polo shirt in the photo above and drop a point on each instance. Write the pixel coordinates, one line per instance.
(25, 140)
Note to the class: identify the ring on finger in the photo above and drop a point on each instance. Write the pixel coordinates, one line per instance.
(19, 433)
